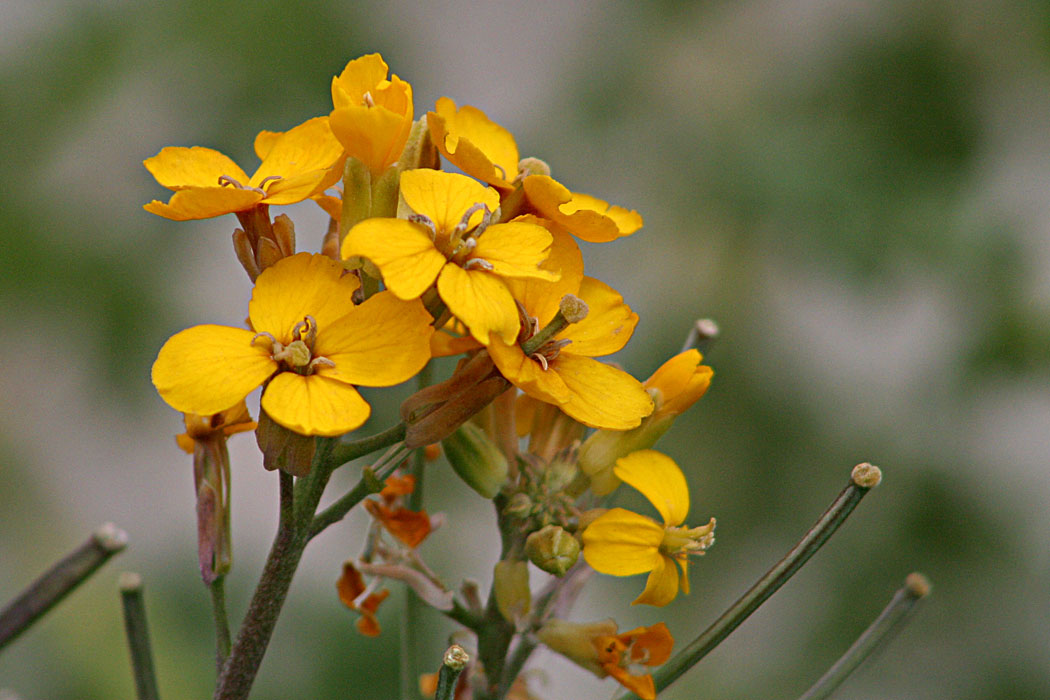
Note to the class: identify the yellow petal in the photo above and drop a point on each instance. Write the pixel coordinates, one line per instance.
(360, 75)
(600, 395)
(401, 250)
(294, 189)
(293, 288)
(541, 297)
(264, 142)
(309, 147)
(177, 167)
(584, 216)
(383, 342)
(526, 374)
(314, 405)
(444, 344)
(622, 543)
(480, 300)
(374, 135)
(681, 381)
(662, 585)
(516, 249)
(609, 323)
(207, 369)
(204, 203)
(660, 480)
(445, 197)
(474, 143)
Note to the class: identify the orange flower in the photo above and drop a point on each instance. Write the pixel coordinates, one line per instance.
(352, 593)
(597, 647)
(409, 526)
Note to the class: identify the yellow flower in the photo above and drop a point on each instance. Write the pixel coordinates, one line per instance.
(373, 115)
(562, 370)
(675, 386)
(296, 164)
(622, 543)
(447, 240)
(482, 148)
(597, 647)
(309, 346)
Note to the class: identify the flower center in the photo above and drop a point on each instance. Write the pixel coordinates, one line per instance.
(298, 355)
(685, 541)
(539, 344)
(227, 181)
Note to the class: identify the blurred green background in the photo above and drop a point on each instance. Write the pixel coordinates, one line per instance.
(856, 192)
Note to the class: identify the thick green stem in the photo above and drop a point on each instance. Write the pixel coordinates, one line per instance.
(246, 655)
(138, 637)
(863, 479)
(58, 581)
(900, 607)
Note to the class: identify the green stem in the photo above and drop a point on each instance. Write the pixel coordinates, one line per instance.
(371, 482)
(138, 637)
(915, 588)
(58, 581)
(776, 577)
(246, 655)
(222, 624)
(343, 452)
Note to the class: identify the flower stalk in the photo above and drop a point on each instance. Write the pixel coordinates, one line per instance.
(863, 478)
(138, 637)
(897, 611)
(58, 581)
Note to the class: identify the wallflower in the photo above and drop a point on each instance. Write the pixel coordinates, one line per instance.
(447, 241)
(482, 148)
(562, 370)
(597, 647)
(623, 543)
(309, 346)
(373, 115)
(296, 164)
(675, 386)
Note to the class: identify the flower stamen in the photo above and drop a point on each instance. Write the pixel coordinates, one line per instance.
(227, 181)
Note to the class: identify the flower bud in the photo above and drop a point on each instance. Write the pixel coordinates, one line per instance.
(552, 549)
(476, 459)
(575, 641)
(510, 585)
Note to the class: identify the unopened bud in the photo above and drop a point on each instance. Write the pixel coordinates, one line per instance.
(510, 585)
(420, 151)
(552, 549)
(519, 506)
(476, 459)
(573, 308)
(575, 641)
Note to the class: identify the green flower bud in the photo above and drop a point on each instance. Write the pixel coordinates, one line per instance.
(510, 585)
(476, 459)
(552, 549)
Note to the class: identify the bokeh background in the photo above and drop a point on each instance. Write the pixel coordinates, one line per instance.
(855, 191)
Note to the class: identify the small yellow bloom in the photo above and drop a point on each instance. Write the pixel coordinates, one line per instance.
(373, 115)
(309, 347)
(622, 543)
(482, 148)
(296, 164)
(675, 386)
(448, 241)
(563, 372)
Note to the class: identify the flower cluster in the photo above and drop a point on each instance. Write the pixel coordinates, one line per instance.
(419, 263)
